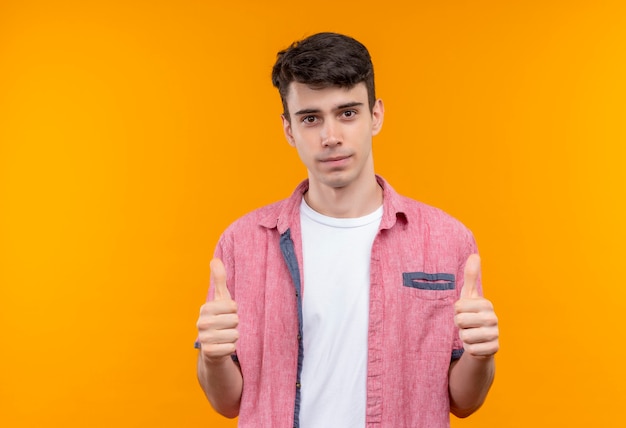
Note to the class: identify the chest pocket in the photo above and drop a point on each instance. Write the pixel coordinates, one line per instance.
(431, 286)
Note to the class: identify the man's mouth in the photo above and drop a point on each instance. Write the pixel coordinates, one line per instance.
(335, 158)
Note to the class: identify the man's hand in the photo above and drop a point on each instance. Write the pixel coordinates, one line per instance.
(474, 315)
(217, 324)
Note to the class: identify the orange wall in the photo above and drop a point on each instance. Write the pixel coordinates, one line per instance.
(132, 133)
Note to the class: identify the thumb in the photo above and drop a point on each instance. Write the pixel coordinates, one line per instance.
(218, 279)
(471, 274)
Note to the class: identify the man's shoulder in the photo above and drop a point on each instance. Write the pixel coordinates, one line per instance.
(272, 215)
(265, 216)
(416, 214)
(420, 213)
(426, 209)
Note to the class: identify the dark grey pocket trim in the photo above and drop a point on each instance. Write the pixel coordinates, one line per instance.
(428, 281)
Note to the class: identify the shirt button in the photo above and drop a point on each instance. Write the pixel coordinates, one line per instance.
(298, 385)
(299, 337)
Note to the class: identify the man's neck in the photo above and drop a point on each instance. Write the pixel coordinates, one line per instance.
(345, 202)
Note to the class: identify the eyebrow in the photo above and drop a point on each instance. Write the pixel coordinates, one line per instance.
(339, 107)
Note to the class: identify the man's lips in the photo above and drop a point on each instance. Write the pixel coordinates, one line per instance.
(337, 162)
(332, 159)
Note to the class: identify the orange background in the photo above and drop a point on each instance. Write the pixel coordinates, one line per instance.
(133, 132)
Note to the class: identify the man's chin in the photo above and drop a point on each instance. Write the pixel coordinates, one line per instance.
(337, 181)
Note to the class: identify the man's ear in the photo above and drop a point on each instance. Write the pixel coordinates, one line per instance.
(287, 131)
(378, 115)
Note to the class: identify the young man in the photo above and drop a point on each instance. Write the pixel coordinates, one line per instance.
(346, 305)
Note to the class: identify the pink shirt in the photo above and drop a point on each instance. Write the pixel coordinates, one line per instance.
(416, 275)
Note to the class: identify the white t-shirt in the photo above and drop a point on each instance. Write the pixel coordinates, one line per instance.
(335, 306)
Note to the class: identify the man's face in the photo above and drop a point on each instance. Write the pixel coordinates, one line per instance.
(332, 130)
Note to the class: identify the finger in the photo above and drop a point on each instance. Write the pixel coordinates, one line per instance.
(217, 352)
(471, 336)
(210, 337)
(473, 317)
(219, 318)
(218, 279)
(471, 274)
(482, 349)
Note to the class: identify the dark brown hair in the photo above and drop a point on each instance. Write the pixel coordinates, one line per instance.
(323, 60)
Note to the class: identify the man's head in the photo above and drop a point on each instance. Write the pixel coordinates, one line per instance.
(323, 60)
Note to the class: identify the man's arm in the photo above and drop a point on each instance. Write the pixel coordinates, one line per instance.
(219, 376)
(469, 383)
(471, 376)
(222, 384)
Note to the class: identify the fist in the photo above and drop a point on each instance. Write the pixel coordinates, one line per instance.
(474, 315)
(218, 320)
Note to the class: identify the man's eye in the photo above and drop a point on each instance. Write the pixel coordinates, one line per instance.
(349, 114)
(309, 119)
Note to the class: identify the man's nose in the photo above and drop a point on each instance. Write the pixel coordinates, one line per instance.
(330, 134)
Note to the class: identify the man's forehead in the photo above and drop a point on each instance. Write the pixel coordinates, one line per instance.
(303, 96)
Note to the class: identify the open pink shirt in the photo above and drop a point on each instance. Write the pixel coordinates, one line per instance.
(416, 275)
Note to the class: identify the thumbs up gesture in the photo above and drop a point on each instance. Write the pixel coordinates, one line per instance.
(218, 320)
(474, 315)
